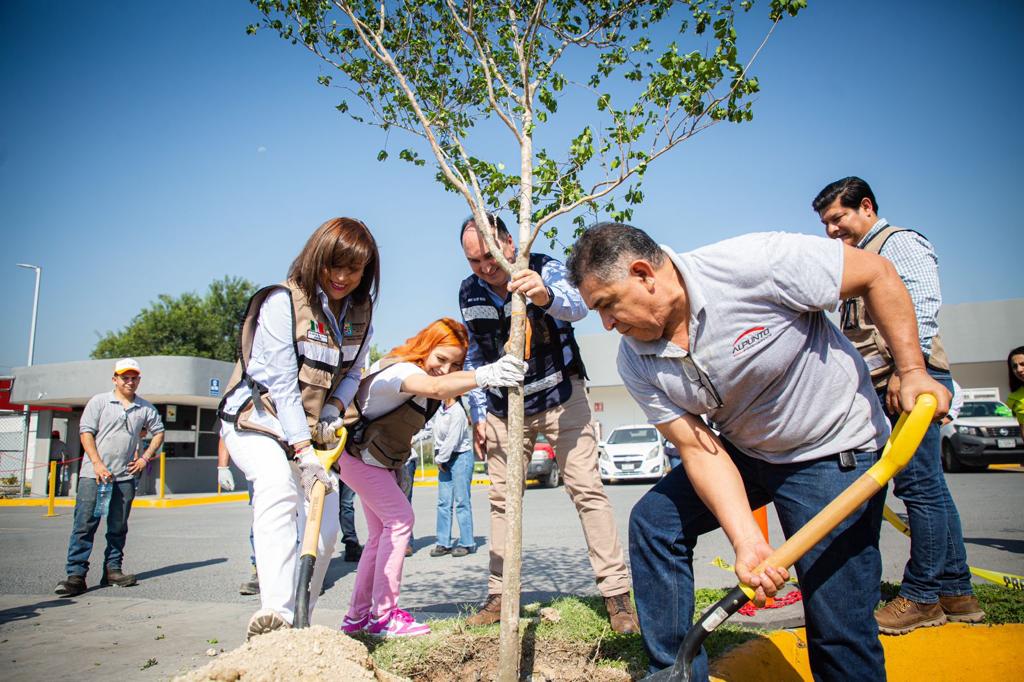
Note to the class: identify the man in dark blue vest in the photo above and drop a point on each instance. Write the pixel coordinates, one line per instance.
(555, 405)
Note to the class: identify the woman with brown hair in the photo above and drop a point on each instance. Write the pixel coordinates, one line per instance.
(301, 351)
(394, 402)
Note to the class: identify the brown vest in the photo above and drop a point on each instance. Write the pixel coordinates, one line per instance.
(323, 360)
(387, 437)
(858, 328)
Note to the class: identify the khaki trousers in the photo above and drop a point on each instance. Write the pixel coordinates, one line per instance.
(570, 432)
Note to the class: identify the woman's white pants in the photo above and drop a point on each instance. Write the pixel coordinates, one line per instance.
(279, 518)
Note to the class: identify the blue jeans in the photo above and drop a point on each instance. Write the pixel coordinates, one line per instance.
(410, 470)
(347, 514)
(455, 478)
(839, 577)
(84, 529)
(938, 559)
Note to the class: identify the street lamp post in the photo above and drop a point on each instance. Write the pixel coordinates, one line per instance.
(31, 355)
(35, 311)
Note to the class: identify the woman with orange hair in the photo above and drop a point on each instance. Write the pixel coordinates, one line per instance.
(393, 402)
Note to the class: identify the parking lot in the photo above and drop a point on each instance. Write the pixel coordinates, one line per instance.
(191, 560)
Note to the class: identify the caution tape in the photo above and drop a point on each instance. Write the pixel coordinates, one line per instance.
(1012, 582)
(1007, 580)
(721, 563)
(897, 523)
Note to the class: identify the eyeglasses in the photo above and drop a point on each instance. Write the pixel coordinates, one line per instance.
(705, 389)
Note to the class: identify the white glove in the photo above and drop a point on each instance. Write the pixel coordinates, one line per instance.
(326, 430)
(311, 471)
(507, 371)
(224, 478)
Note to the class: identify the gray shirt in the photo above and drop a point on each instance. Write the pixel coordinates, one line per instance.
(792, 388)
(116, 431)
(450, 428)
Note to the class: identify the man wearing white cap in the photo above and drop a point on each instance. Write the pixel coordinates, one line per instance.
(110, 428)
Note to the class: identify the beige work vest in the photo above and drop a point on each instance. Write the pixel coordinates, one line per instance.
(387, 437)
(323, 360)
(858, 328)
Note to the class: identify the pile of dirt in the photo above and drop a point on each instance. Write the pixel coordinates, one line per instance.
(315, 653)
(470, 657)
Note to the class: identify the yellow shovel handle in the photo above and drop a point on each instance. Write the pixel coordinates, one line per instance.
(901, 446)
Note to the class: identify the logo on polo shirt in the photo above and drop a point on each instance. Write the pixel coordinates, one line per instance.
(749, 339)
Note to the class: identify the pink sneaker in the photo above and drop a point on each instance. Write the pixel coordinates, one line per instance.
(398, 623)
(351, 626)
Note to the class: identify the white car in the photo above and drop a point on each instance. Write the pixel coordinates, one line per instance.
(984, 433)
(632, 452)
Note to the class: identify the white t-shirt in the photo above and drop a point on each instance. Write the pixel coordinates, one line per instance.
(383, 393)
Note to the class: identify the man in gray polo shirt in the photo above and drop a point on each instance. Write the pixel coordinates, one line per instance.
(109, 430)
(736, 332)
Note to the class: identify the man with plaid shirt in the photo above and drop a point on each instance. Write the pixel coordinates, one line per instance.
(936, 584)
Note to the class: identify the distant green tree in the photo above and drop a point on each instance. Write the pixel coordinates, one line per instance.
(376, 353)
(200, 326)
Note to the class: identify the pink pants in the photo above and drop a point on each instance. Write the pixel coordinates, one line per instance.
(389, 518)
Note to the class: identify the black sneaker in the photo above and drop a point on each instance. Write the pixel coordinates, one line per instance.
(460, 551)
(440, 551)
(114, 576)
(73, 586)
(353, 551)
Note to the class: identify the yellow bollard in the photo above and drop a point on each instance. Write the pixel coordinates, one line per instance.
(53, 489)
(163, 472)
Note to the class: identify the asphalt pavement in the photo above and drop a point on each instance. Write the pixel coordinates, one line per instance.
(191, 560)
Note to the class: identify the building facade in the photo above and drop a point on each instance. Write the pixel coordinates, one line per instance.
(184, 390)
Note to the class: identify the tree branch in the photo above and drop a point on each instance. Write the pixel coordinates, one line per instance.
(485, 61)
(381, 53)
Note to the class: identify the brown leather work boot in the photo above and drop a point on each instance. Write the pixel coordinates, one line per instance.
(621, 614)
(901, 616)
(962, 609)
(114, 576)
(489, 613)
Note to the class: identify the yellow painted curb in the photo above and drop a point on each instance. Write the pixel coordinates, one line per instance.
(36, 502)
(172, 502)
(140, 502)
(956, 651)
(433, 484)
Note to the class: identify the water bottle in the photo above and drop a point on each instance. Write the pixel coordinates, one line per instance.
(103, 493)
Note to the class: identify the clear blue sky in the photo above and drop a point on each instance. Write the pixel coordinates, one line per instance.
(149, 148)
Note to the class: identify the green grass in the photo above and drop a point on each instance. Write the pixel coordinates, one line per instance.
(583, 627)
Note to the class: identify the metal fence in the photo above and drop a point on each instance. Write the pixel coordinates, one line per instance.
(13, 432)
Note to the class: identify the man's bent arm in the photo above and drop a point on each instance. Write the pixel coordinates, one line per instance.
(717, 482)
(875, 279)
(154, 447)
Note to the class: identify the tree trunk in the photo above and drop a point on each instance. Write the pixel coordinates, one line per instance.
(509, 648)
(509, 644)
